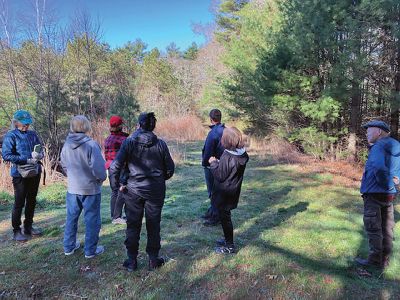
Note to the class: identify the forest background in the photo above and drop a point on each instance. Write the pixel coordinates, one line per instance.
(308, 71)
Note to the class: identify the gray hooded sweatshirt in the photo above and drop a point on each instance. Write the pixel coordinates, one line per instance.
(83, 163)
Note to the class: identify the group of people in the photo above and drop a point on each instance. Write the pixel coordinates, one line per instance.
(137, 165)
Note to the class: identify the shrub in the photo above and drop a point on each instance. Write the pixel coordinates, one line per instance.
(6, 198)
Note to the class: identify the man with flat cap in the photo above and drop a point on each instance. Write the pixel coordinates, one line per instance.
(378, 189)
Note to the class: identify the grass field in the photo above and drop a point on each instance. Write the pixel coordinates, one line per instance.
(297, 230)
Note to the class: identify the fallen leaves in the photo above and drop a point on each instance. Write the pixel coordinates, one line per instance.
(85, 269)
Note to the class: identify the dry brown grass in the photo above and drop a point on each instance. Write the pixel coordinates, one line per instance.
(186, 128)
(275, 149)
(5, 178)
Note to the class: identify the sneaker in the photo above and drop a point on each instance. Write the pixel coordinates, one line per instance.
(99, 250)
(211, 222)
(118, 221)
(32, 231)
(221, 242)
(130, 264)
(225, 249)
(19, 236)
(156, 263)
(77, 246)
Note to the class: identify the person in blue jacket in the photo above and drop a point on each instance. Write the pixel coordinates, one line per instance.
(378, 189)
(212, 148)
(18, 148)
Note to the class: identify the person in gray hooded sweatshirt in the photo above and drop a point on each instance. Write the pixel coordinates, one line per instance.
(83, 164)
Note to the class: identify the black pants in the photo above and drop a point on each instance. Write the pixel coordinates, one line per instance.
(227, 227)
(116, 202)
(25, 192)
(379, 224)
(212, 212)
(135, 207)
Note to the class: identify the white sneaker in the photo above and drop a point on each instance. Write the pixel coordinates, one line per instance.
(119, 221)
(77, 246)
(99, 250)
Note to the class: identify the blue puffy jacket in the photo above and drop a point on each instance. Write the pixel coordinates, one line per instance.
(382, 165)
(212, 145)
(18, 147)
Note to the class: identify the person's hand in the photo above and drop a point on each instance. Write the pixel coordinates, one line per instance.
(212, 158)
(396, 180)
(37, 156)
(31, 161)
(122, 188)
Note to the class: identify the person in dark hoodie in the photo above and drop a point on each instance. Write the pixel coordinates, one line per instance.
(18, 148)
(150, 165)
(378, 189)
(228, 174)
(83, 164)
(212, 147)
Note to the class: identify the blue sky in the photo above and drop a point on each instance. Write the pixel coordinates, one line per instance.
(155, 22)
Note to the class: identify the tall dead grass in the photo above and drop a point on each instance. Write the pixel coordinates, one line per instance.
(182, 129)
(274, 149)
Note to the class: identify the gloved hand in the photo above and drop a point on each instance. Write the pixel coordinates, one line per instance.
(37, 156)
(32, 161)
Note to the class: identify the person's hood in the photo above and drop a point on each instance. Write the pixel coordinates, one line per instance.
(241, 154)
(145, 138)
(75, 140)
(390, 145)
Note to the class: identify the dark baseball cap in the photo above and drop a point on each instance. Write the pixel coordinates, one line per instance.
(379, 124)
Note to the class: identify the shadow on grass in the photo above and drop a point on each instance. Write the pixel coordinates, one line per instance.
(194, 271)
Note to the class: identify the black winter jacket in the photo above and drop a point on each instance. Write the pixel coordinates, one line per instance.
(149, 163)
(228, 176)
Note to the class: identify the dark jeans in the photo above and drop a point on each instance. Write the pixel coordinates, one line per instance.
(212, 211)
(135, 207)
(379, 224)
(116, 202)
(227, 227)
(25, 192)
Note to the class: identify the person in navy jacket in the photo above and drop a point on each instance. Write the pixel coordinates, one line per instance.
(378, 189)
(212, 148)
(18, 148)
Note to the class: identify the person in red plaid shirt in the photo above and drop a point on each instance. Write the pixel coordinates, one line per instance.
(112, 144)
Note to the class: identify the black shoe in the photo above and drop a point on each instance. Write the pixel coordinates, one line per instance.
(32, 231)
(211, 222)
(130, 264)
(19, 236)
(156, 263)
(221, 242)
(366, 263)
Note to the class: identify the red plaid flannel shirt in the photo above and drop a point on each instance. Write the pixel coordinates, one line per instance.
(112, 144)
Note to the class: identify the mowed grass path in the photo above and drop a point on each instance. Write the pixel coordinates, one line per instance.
(297, 233)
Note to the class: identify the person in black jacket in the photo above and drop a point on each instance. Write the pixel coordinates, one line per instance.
(212, 147)
(150, 165)
(228, 176)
